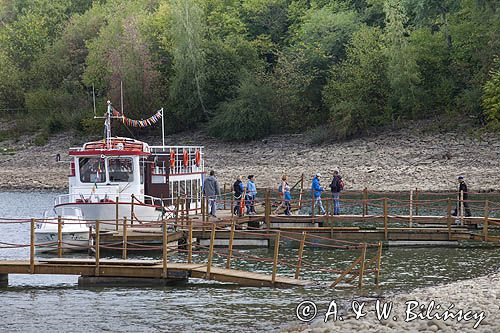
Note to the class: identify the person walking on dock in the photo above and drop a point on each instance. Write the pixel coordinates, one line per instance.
(238, 194)
(211, 189)
(317, 189)
(286, 196)
(250, 195)
(463, 196)
(336, 186)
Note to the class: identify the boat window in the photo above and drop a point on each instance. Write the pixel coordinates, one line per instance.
(120, 169)
(92, 170)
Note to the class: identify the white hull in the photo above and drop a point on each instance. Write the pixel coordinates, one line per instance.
(72, 241)
(106, 213)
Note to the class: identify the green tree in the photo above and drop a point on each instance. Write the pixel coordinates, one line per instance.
(402, 69)
(248, 116)
(491, 96)
(188, 83)
(357, 91)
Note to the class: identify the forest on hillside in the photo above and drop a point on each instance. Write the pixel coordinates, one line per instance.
(243, 69)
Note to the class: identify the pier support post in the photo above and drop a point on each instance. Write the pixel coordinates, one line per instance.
(97, 247)
(312, 204)
(4, 280)
(448, 217)
(411, 208)
(362, 266)
(124, 241)
(117, 212)
(59, 237)
(379, 261)
(32, 246)
(276, 255)
(416, 202)
(211, 251)
(301, 191)
(385, 219)
(268, 209)
(486, 218)
(164, 248)
(301, 251)
(230, 248)
(224, 197)
(365, 202)
(190, 242)
(462, 207)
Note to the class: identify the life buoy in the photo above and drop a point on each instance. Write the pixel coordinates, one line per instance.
(185, 158)
(197, 158)
(172, 159)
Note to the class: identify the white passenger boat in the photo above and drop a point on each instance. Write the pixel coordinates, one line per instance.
(74, 231)
(118, 177)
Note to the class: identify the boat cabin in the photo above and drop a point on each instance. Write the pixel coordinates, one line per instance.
(118, 167)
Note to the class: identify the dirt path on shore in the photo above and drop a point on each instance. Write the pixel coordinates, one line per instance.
(394, 161)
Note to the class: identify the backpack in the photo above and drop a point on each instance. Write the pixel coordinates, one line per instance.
(280, 188)
(341, 184)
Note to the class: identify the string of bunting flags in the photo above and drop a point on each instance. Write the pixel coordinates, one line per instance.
(139, 123)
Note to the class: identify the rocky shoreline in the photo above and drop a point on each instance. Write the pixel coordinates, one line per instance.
(480, 296)
(395, 161)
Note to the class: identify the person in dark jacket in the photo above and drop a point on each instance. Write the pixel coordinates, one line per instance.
(211, 190)
(336, 187)
(238, 190)
(462, 190)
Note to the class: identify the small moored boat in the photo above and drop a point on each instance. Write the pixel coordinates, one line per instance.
(74, 231)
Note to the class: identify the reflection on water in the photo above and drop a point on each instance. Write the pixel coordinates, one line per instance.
(47, 303)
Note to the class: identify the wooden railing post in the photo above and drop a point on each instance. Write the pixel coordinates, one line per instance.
(411, 208)
(362, 266)
(165, 248)
(276, 255)
(379, 262)
(59, 237)
(190, 242)
(301, 191)
(462, 207)
(301, 251)
(385, 219)
(224, 197)
(117, 212)
(32, 246)
(97, 247)
(207, 209)
(416, 202)
(230, 249)
(365, 202)
(125, 240)
(448, 217)
(211, 251)
(312, 204)
(268, 209)
(486, 219)
(132, 209)
(202, 202)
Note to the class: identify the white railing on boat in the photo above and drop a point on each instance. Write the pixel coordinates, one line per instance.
(103, 198)
(179, 167)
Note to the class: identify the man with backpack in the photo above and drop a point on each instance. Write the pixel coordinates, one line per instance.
(238, 190)
(336, 186)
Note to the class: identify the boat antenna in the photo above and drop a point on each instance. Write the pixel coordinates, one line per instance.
(107, 124)
(163, 127)
(93, 99)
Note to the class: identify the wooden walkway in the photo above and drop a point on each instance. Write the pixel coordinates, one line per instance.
(145, 269)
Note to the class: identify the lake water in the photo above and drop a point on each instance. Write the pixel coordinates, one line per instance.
(56, 303)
